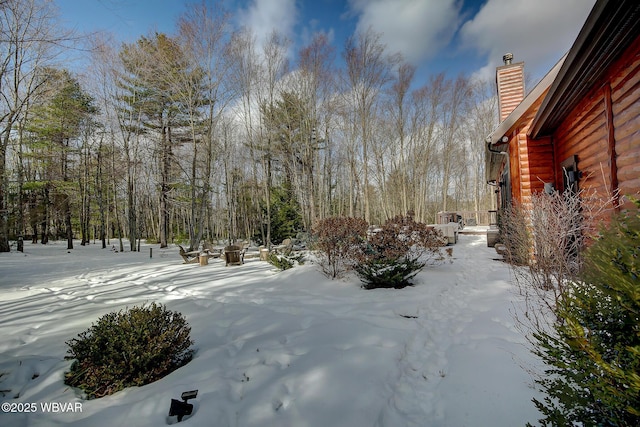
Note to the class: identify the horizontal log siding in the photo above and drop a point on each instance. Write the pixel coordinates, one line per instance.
(514, 168)
(536, 158)
(584, 133)
(625, 97)
(540, 163)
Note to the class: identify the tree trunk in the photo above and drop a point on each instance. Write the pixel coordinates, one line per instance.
(100, 196)
(4, 186)
(45, 215)
(164, 189)
(67, 221)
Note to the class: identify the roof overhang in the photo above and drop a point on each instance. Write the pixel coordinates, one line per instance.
(610, 28)
(494, 158)
(539, 90)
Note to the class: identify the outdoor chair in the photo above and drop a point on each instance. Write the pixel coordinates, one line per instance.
(283, 248)
(189, 257)
(234, 255)
(211, 252)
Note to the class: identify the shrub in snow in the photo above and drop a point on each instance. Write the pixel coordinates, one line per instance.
(514, 234)
(339, 241)
(593, 350)
(128, 348)
(546, 239)
(398, 251)
(388, 273)
(285, 262)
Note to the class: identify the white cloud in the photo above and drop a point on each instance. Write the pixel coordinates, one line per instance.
(537, 32)
(415, 28)
(313, 28)
(263, 17)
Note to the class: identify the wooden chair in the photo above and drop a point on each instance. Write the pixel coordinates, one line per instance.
(189, 257)
(211, 251)
(234, 255)
(283, 248)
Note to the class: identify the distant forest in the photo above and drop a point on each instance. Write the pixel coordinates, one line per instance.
(204, 134)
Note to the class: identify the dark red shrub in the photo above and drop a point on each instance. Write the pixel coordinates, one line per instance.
(340, 241)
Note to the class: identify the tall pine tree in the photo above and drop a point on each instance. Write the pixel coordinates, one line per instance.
(55, 124)
(152, 106)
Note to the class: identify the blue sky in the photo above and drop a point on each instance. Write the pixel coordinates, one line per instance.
(450, 36)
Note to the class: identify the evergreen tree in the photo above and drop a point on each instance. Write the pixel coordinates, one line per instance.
(56, 122)
(397, 252)
(286, 220)
(593, 353)
(294, 147)
(152, 106)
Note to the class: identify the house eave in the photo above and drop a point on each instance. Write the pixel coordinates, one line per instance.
(610, 28)
(493, 140)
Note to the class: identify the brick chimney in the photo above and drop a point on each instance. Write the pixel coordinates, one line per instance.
(510, 83)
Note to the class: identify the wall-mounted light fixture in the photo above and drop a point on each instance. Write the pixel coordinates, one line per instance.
(180, 409)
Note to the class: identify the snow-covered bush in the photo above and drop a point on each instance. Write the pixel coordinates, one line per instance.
(398, 251)
(593, 349)
(128, 348)
(339, 241)
(285, 262)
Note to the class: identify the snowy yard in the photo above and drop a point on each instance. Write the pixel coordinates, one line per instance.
(281, 349)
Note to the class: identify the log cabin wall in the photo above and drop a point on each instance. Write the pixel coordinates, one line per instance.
(625, 99)
(536, 157)
(584, 134)
(514, 167)
(531, 161)
(603, 131)
(540, 168)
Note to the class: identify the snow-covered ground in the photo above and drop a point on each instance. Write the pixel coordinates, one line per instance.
(274, 348)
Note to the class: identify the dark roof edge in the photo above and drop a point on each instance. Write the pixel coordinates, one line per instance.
(590, 43)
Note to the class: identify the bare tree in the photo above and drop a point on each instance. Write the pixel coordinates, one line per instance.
(480, 120)
(452, 112)
(317, 83)
(29, 40)
(118, 138)
(275, 66)
(368, 71)
(202, 93)
(423, 121)
(399, 92)
(243, 77)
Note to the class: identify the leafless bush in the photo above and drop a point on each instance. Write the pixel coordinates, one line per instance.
(544, 242)
(515, 234)
(401, 236)
(340, 241)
